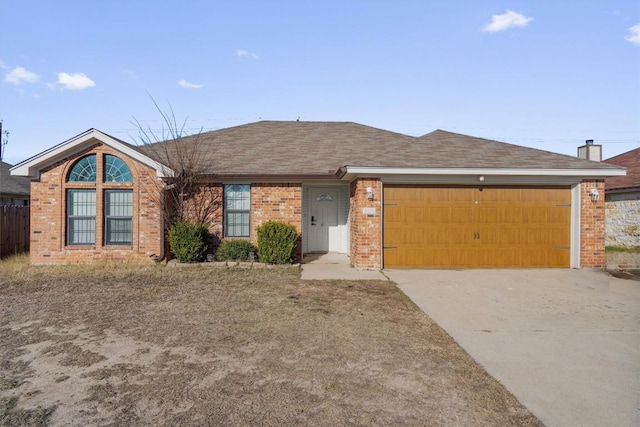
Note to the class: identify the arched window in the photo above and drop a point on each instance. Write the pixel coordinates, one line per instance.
(115, 170)
(84, 170)
(324, 197)
(108, 201)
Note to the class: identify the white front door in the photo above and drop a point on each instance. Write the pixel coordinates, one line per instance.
(323, 219)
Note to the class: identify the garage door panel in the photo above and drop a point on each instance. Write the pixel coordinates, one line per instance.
(461, 215)
(537, 258)
(416, 214)
(509, 215)
(439, 214)
(460, 258)
(394, 214)
(436, 236)
(557, 215)
(466, 227)
(461, 236)
(487, 215)
(403, 235)
(510, 237)
(559, 239)
(536, 215)
(510, 258)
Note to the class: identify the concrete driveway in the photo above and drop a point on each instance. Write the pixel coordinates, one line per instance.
(566, 343)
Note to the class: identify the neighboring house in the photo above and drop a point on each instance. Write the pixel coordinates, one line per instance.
(14, 190)
(622, 226)
(443, 200)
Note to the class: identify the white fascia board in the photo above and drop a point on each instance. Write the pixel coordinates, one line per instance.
(31, 167)
(474, 180)
(351, 171)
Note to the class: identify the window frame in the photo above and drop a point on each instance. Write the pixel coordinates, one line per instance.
(88, 163)
(70, 218)
(115, 167)
(106, 241)
(230, 226)
(101, 222)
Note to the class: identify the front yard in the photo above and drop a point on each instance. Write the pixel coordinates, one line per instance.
(116, 344)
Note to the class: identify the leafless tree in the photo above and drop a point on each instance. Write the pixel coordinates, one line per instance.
(186, 194)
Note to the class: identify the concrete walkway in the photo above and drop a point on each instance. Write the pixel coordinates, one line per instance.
(566, 343)
(335, 266)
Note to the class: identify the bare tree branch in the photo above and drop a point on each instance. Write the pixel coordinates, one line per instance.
(186, 196)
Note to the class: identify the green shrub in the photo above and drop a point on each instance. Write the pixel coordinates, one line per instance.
(235, 250)
(277, 242)
(188, 241)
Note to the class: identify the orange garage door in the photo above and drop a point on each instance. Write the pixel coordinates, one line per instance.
(427, 227)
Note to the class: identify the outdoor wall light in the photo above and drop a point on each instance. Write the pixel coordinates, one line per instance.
(369, 193)
(593, 193)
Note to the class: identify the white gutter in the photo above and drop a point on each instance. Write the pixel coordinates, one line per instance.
(351, 171)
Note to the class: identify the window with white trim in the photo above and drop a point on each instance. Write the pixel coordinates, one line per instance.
(237, 210)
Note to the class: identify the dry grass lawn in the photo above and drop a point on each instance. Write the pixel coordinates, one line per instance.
(117, 345)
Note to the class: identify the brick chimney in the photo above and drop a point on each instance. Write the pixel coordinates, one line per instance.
(590, 151)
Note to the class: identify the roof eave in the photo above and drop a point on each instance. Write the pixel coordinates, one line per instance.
(349, 172)
(254, 177)
(32, 166)
(619, 190)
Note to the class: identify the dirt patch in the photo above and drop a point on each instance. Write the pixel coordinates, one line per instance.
(624, 264)
(123, 345)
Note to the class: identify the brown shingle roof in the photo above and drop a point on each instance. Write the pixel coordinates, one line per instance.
(13, 184)
(631, 161)
(321, 148)
(448, 149)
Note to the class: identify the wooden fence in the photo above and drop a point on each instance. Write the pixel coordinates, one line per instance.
(14, 230)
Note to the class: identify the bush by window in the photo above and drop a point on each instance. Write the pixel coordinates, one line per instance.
(235, 250)
(187, 241)
(277, 242)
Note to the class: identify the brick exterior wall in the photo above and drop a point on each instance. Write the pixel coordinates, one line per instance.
(276, 202)
(269, 201)
(48, 213)
(592, 224)
(622, 226)
(366, 230)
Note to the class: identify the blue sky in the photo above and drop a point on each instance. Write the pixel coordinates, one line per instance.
(539, 73)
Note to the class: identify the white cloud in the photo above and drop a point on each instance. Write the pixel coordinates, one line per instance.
(507, 20)
(246, 54)
(77, 81)
(634, 35)
(20, 75)
(188, 85)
